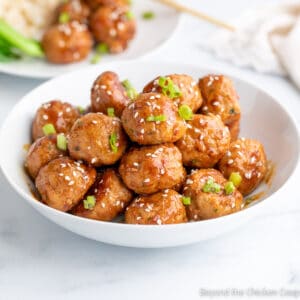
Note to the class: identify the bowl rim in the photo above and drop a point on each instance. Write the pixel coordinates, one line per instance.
(115, 225)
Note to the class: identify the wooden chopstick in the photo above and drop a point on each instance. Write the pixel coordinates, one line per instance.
(197, 14)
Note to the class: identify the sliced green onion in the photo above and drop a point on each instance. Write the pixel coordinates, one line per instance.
(111, 112)
(148, 15)
(211, 186)
(159, 118)
(49, 129)
(64, 17)
(102, 48)
(185, 112)
(131, 91)
(169, 88)
(113, 141)
(96, 58)
(186, 200)
(61, 142)
(81, 110)
(89, 202)
(235, 178)
(229, 188)
(129, 15)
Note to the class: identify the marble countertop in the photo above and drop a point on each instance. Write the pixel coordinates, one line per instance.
(39, 260)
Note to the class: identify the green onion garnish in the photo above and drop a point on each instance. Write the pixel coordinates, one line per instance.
(185, 112)
(49, 129)
(81, 110)
(113, 141)
(102, 48)
(129, 15)
(229, 188)
(111, 112)
(148, 15)
(96, 58)
(235, 178)
(63, 18)
(169, 88)
(159, 118)
(211, 186)
(131, 91)
(186, 200)
(61, 142)
(89, 202)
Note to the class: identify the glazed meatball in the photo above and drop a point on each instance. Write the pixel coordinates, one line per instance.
(246, 157)
(114, 26)
(190, 92)
(63, 182)
(108, 92)
(220, 98)
(164, 207)
(61, 115)
(94, 4)
(153, 119)
(147, 170)
(75, 10)
(206, 190)
(67, 43)
(205, 142)
(42, 151)
(111, 195)
(234, 129)
(97, 139)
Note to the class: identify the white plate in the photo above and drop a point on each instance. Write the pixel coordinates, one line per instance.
(150, 35)
(263, 118)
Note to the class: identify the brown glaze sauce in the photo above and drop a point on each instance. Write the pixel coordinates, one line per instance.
(268, 179)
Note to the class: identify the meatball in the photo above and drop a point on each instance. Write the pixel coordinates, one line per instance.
(108, 92)
(234, 129)
(153, 119)
(97, 139)
(114, 26)
(94, 4)
(63, 182)
(164, 207)
(206, 189)
(75, 10)
(67, 43)
(111, 196)
(147, 170)
(42, 151)
(246, 157)
(205, 142)
(190, 92)
(220, 98)
(61, 115)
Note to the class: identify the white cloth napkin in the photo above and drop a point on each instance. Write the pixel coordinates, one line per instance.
(266, 39)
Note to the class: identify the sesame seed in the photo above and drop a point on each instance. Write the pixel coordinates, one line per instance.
(162, 171)
(252, 160)
(152, 97)
(93, 160)
(248, 175)
(103, 87)
(228, 153)
(67, 178)
(138, 218)
(60, 113)
(112, 32)
(136, 115)
(136, 164)
(147, 180)
(61, 174)
(109, 93)
(68, 109)
(103, 204)
(94, 122)
(230, 162)
(45, 117)
(71, 182)
(189, 181)
(215, 103)
(197, 130)
(205, 108)
(159, 222)
(142, 131)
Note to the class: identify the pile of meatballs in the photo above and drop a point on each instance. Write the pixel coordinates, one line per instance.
(168, 155)
(80, 24)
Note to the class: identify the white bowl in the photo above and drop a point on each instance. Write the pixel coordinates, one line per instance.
(263, 118)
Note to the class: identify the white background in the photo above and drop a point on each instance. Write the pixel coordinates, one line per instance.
(39, 260)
